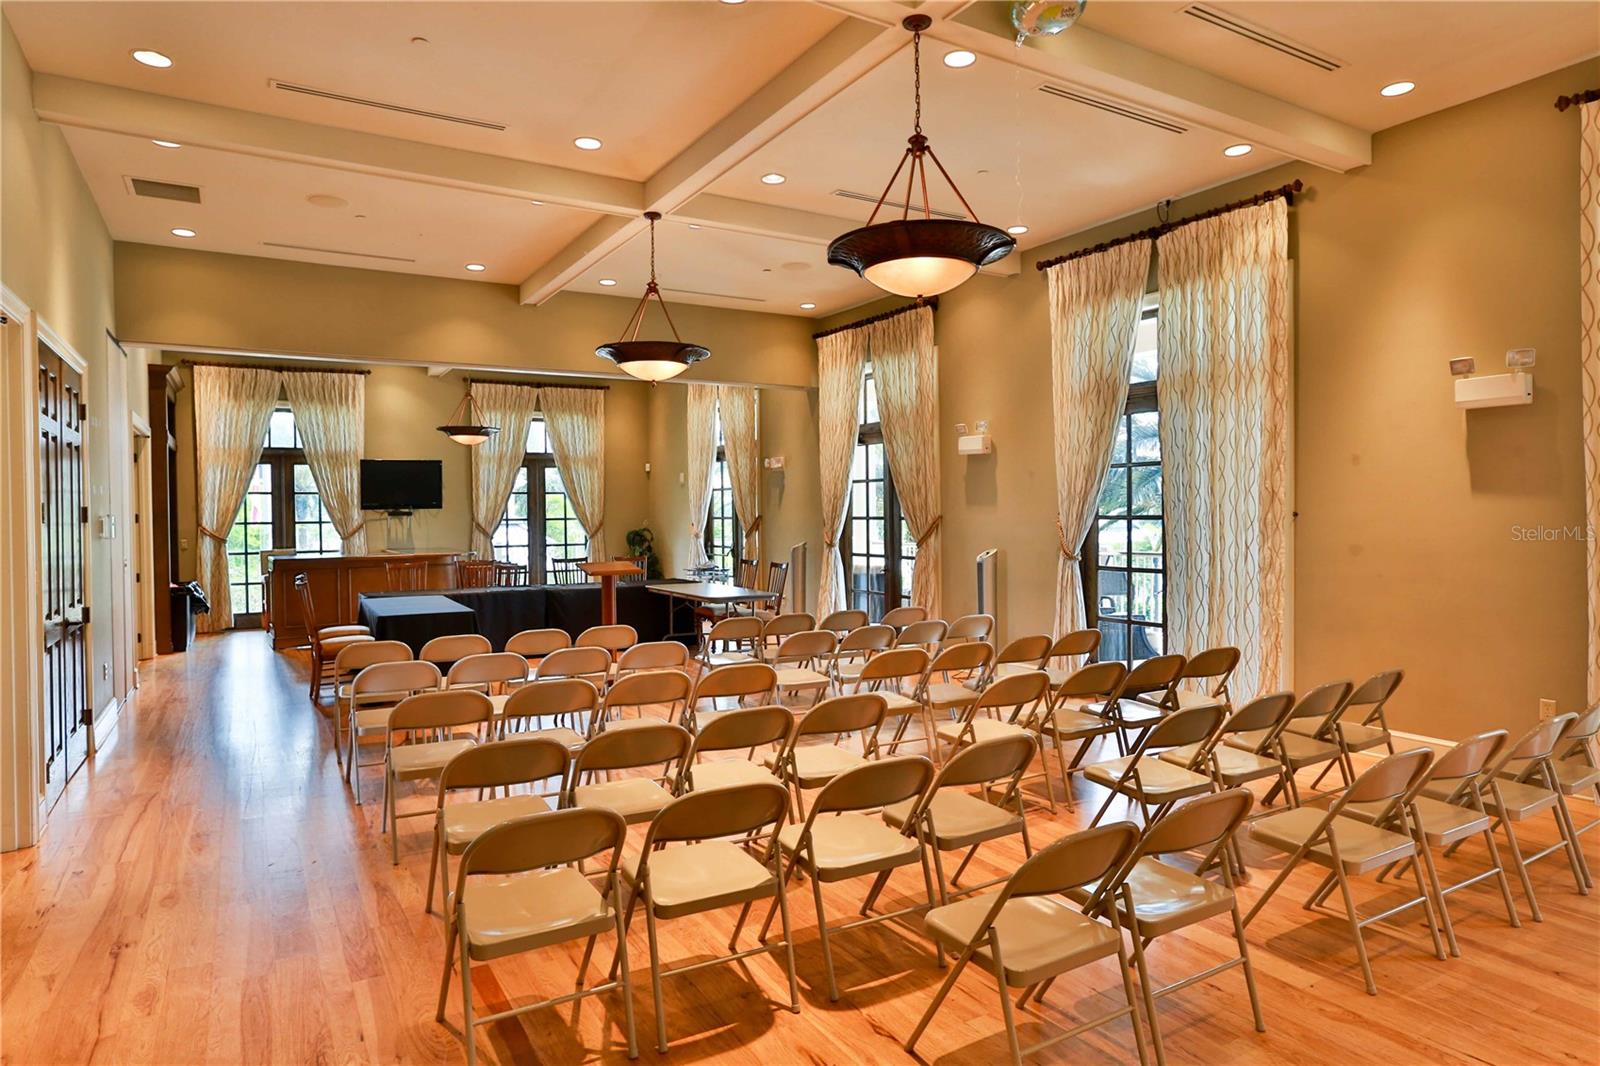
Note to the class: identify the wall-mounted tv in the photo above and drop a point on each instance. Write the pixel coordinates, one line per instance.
(401, 484)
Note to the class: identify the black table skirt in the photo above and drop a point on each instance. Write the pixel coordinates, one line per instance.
(394, 618)
(502, 612)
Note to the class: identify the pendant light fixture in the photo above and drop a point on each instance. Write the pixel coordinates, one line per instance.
(919, 256)
(466, 425)
(651, 360)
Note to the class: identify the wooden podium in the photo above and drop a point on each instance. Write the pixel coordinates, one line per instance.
(608, 574)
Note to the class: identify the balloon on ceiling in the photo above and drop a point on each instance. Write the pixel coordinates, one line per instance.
(1044, 18)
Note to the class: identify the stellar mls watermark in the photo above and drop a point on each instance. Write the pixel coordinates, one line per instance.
(1547, 534)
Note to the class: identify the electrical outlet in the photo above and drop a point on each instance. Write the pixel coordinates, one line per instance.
(1547, 709)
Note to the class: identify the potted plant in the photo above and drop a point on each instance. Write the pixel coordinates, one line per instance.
(642, 542)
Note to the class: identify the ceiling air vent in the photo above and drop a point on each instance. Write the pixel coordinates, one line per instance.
(329, 94)
(164, 190)
(1111, 107)
(1237, 26)
(335, 251)
(898, 205)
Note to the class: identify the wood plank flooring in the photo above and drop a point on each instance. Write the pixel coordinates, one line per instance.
(207, 892)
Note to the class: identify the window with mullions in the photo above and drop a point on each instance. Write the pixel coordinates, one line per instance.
(1124, 556)
(724, 543)
(540, 529)
(878, 548)
(281, 509)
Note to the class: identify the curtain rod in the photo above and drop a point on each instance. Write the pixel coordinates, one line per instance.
(931, 302)
(536, 384)
(1588, 96)
(266, 366)
(1284, 191)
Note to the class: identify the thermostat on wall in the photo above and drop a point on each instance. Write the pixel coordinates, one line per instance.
(773, 462)
(974, 444)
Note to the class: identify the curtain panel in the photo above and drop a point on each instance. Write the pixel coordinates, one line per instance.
(1224, 404)
(232, 407)
(841, 358)
(496, 461)
(330, 410)
(741, 437)
(1589, 303)
(701, 459)
(1094, 318)
(575, 420)
(906, 367)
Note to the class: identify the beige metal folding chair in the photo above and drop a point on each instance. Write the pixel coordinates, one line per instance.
(801, 662)
(1207, 676)
(652, 655)
(519, 888)
(637, 797)
(855, 648)
(850, 844)
(350, 661)
(1306, 739)
(1080, 644)
(1012, 706)
(1576, 763)
(1360, 724)
(928, 635)
(842, 622)
(896, 675)
(443, 651)
(737, 682)
(495, 674)
(373, 694)
(811, 766)
(1349, 846)
(592, 664)
(780, 627)
(738, 637)
(485, 767)
(746, 729)
(1066, 720)
(407, 756)
(667, 689)
(689, 865)
(898, 618)
(1024, 933)
(1149, 694)
(1019, 657)
(1262, 719)
(940, 689)
(1156, 784)
(970, 627)
(560, 699)
(615, 639)
(535, 644)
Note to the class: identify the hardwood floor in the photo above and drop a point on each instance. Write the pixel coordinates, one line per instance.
(207, 891)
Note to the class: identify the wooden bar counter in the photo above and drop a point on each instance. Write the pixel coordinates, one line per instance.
(337, 582)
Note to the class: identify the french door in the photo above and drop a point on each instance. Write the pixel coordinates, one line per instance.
(62, 516)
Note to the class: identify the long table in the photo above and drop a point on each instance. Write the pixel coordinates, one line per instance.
(705, 594)
(501, 612)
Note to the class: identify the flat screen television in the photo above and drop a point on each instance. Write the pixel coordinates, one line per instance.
(401, 484)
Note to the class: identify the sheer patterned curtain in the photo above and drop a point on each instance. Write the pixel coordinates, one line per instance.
(575, 419)
(841, 358)
(232, 406)
(906, 368)
(1589, 302)
(1094, 317)
(701, 458)
(1224, 402)
(741, 437)
(330, 411)
(496, 461)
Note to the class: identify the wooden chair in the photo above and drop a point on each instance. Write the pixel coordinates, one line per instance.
(510, 575)
(406, 575)
(476, 573)
(326, 641)
(565, 572)
(641, 561)
(777, 577)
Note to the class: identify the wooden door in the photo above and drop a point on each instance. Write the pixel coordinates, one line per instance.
(62, 517)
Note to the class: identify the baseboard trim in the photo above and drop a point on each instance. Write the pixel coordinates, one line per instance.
(105, 722)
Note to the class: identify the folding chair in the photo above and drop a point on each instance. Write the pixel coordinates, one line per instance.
(739, 637)
(1016, 704)
(375, 692)
(443, 651)
(593, 664)
(928, 635)
(745, 730)
(811, 766)
(780, 627)
(561, 699)
(898, 618)
(1149, 694)
(652, 655)
(856, 647)
(1576, 762)
(535, 644)
(970, 627)
(1213, 666)
(1152, 782)
(496, 674)
(737, 682)
(615, 639)
(1262, 719)
(1306, 739)
(664, 688)
(896, 675)
(1021, 656)
(350, 661)
(637, 798)
(1367, 703)
(427, 714)
(842, 622)
(801, 661)
(1066, 720)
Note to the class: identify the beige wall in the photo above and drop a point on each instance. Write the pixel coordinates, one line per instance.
(1461, 238)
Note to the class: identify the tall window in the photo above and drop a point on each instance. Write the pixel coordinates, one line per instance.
(724, 543)
(540, 529)
(878, 548)
(281, 509)
(1125, 551)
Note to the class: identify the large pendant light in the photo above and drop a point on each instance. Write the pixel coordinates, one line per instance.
(466, 425)
(651, 360)
(919, 256)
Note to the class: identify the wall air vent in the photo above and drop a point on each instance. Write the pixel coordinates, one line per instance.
(897, 205)
(1111, 107)
(329, 94)
(164, 190)
(1223, 20)
(715, 295)
(335, 251)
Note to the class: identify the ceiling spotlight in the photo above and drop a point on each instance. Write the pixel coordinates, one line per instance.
(476, 267)
(960, 58)
(166, 144)
(1016, 231)
(588, 144)
(151, 58)
(808, 307)
(1397, 88)
(773, 179)
(608, 282)
(1234, 151)
(180, 231)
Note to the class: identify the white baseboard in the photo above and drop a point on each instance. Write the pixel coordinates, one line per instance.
(105, 722)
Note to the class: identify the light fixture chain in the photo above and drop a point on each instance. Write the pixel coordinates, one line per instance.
(652, 250)
(916, 77)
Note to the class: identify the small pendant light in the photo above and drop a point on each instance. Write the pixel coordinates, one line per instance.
(466, 425)
(651, 360)
(919, 256)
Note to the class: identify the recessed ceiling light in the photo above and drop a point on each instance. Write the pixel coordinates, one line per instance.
(773, 179)
(476, 267)
(322, 199)
(1016, 231)
(182, 232)
(1233, 151)
(151, 58)
(694, 225)
(608, 282)
(960, 58)
(166, 144)
(730, 2)
(1397, 88)
(537, 203)
(588, 144)
(807, 307)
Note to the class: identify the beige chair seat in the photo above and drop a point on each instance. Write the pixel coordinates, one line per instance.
(1003, 670)
(851, 670)
(982, 729)
(1071, 722)
(373, 719)
(960, 819)
(849, 845)
(942, 694)
(1158, 781)
(632, 723)
(1236, 767)
(465, 822)
(704, 876)
(571, 739)
(731, 658)
(637, 799)
(1188, 697)
(817, 764)
(425, 760)
(1358, 737)
(726, 773)
(796, 677)
(899, 703)
(1522, 800)
(1573, 774)
(1442, 823)
(1362, 847)
(1040, 936)
(506, 915)
(1165, 898)
(1300, 749)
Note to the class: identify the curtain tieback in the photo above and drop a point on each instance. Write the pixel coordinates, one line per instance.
(488, 533)
(755, 527)
(1061, 539)
(933, 527)
(358, 528)
(213, 534)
